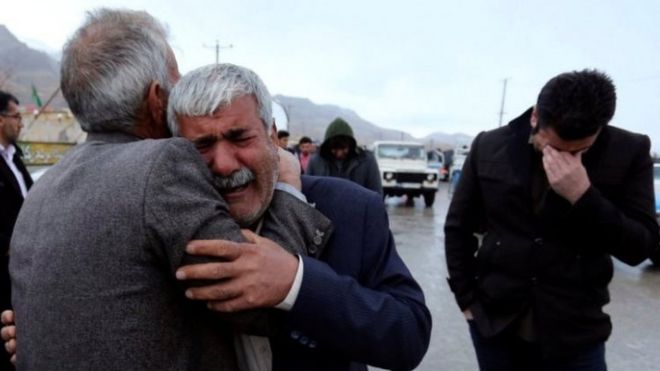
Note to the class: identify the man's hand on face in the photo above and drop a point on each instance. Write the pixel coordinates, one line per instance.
(9, 334)
(254, 274)
(566, 174)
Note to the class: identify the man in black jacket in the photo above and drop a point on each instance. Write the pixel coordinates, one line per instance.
(542, 205)
(14, 184)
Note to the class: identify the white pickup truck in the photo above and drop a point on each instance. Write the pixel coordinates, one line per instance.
(404, 170)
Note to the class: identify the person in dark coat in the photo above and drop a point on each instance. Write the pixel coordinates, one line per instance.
(14, 184)
(341, 157)
(541, 207)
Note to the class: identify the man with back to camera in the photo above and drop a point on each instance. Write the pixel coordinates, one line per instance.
(15, 181)
(554, 195)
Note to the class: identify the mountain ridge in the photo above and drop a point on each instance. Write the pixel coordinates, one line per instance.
(22, 66)
(311, 119)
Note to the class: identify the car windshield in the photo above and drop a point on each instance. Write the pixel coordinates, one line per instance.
(401, 151)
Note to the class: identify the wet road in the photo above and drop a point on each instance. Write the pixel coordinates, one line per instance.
(635, 293)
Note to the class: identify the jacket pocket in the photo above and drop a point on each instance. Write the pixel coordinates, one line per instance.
(501, 293)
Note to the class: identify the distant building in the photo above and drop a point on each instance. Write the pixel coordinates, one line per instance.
(47, 137)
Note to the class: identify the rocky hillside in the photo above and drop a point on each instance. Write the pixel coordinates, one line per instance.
(21, 66)
(310, 119)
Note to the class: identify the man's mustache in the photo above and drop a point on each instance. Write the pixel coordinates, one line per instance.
(236, 179)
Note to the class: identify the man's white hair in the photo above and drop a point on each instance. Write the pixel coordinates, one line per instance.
(206, 89)
(108, 64)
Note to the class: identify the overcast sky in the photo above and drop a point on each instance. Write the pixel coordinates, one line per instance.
(417, 66)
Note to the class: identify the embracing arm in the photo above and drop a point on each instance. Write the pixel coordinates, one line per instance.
(377, 315)
(181, 205)
(9, 334)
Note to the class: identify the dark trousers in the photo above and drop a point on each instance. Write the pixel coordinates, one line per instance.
(507, 352)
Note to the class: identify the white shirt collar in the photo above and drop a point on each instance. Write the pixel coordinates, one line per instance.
(8, 152)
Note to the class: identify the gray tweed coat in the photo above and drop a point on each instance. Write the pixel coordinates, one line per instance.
(95, 249)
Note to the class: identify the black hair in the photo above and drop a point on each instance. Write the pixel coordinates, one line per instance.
(5, 98)
(282, 134)
(576, 104)
(304, 140)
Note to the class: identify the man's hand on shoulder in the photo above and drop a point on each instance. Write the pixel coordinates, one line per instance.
(9, 334)
(254, 274)
(566, 174)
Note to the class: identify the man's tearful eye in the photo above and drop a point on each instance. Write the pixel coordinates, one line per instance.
(239, 136)
(204, 144)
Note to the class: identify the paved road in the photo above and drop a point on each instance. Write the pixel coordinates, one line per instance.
(635, 293)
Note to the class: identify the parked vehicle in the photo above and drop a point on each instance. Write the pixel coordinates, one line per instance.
(404, 170)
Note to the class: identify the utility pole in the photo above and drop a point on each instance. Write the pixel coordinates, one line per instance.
(217, 49)
(503, 99)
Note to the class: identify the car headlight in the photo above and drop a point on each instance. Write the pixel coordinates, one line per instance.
(430, 177)
(388, 176)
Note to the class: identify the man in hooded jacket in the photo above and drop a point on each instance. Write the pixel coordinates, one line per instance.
(341, 157)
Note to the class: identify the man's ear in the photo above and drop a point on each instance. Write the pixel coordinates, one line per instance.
(157, 103)
(273, 134)
(534, 118)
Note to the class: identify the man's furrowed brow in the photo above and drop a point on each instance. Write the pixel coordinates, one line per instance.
(204, 140)
(234, 133)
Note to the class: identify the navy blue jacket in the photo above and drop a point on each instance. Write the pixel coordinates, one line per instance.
(358, 304)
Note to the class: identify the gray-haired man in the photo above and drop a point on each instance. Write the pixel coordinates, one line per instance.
(357, 303)
(99, 238)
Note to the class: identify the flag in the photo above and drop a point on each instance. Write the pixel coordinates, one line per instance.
(35, 97)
